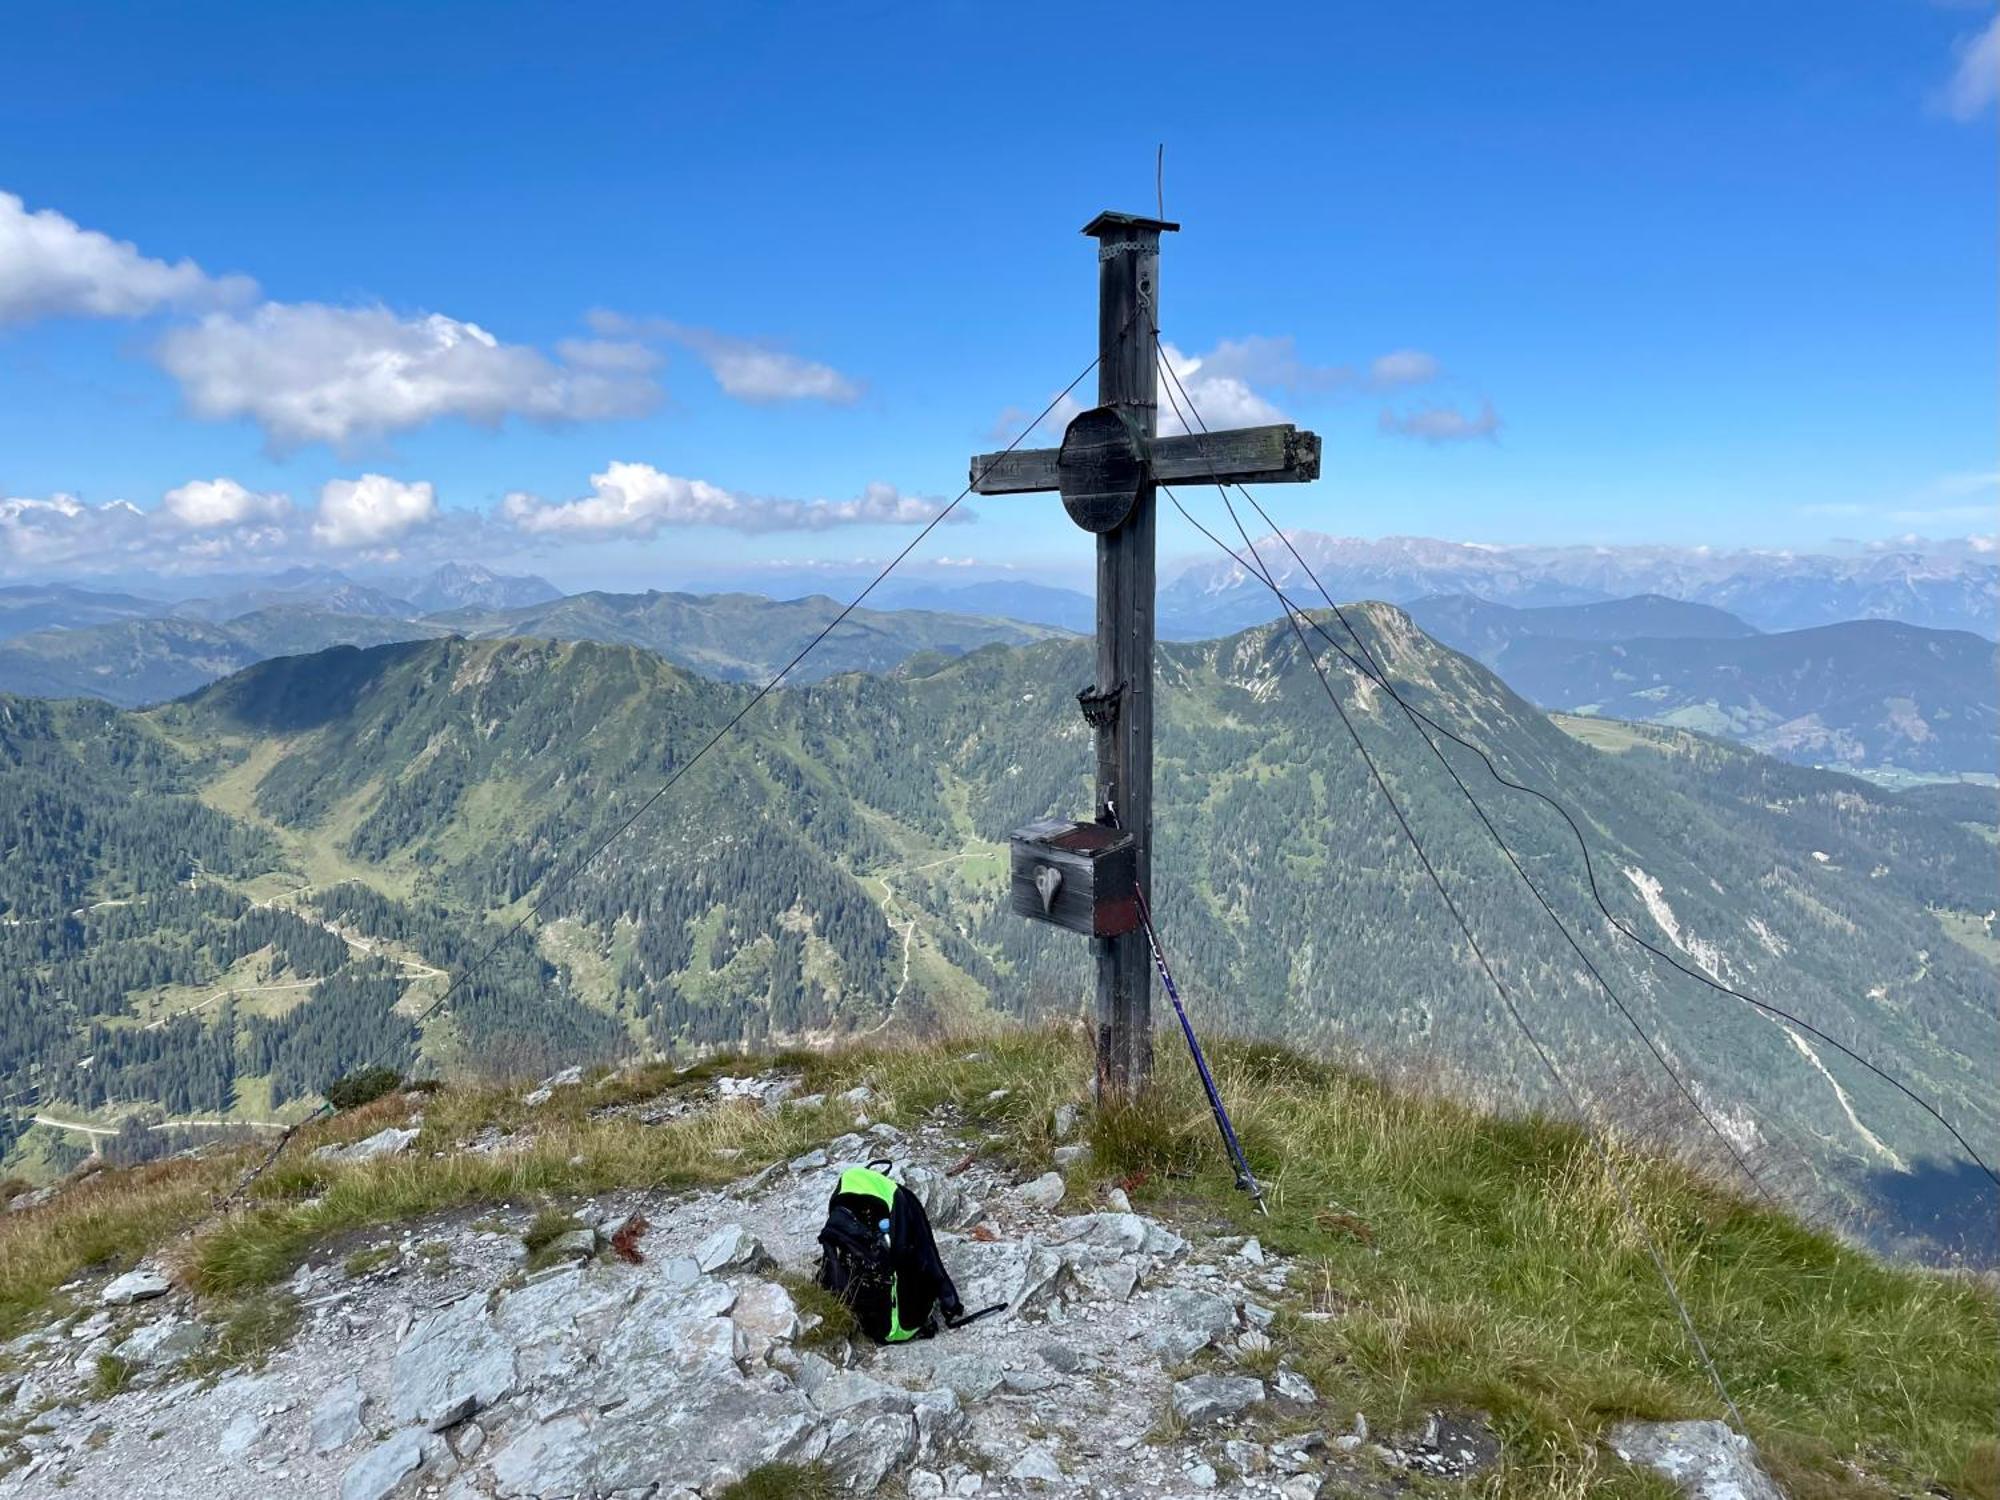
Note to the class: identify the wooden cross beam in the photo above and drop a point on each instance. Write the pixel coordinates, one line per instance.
(1106, 469)
(1278, 454)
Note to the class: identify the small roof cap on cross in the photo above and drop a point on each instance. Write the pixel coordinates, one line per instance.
(1108, 223)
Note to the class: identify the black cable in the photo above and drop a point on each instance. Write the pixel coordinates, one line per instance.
(1381, 676)
(1583, 847)
(556, 884)
(1507, 999)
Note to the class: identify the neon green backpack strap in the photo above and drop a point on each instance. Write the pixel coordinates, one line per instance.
(871, 1184)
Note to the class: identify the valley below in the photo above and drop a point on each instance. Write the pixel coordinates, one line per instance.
(213, 908)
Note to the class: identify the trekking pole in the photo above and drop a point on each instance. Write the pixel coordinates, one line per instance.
(1246, 1180)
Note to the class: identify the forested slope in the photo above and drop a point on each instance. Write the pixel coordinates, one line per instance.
(838, 864)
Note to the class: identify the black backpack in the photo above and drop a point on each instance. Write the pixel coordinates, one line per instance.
(878, 1256)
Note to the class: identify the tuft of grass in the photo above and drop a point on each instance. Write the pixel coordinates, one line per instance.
(251, 1329)
(108, 1221)
(111, 1376)
(361, 1262)
(783, 1482)
(836, 1323)
(364, 1087)
(550, 1225)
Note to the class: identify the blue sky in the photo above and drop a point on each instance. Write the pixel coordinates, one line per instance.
(1694, 274)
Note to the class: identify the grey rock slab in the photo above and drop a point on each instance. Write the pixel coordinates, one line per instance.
(1211, 1398)
(1124, 1232)
(940, 1418)
(1189, 1321)
(1201, 1475)
(383, 1467)
(696, 1430)
(141, 1285)
(1704, 1460)
(451, 1356)
(165, 1342)
(867, 1452)
(241, 1433)
(1060, 1357)
(1245, 1457)
(945, 1200)
(389, 1142)
(731, 1247)
(336, 1417)
(968, 1374)
(1022, 1273)
(578, 1244)
(852, 1394)
(1113, 1280)
(766, 1315)
(565, 1079)
(1044, 1193)
(1289, 1385)
(1036, 1464)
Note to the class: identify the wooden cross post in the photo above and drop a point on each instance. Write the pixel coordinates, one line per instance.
(1106, 471)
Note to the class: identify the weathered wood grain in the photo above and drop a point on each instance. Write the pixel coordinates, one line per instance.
(1277, 454)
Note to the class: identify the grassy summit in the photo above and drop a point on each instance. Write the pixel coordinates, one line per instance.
(1442, 1256)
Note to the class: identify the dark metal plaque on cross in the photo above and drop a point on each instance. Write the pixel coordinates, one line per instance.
(1106, 471)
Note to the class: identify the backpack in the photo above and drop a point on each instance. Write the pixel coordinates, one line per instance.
(878, 1256)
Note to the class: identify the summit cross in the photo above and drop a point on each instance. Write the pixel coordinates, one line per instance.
(1106, 470)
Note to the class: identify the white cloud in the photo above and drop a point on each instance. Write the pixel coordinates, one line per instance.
(1403, 367)
(1261, 359)
(62, 529)
(371, 511)
(52, 267)
(307, 372)
(209, 504)
(1975, 82)
(637, 500)
(1443, 424)
(64, 533)
(747, 369)
(1220, 397)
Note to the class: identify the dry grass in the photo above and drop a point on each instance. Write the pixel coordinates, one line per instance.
(107, 1221)
(1472, 1259)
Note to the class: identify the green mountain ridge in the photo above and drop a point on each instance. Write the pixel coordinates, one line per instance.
(839, 865)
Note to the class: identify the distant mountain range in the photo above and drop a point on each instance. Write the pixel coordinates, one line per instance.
(1866, 694)
(28, 607)
(1893, 688)
(731, 637)
(1944, 588)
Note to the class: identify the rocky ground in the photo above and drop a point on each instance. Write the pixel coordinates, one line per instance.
(1135, 1359)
